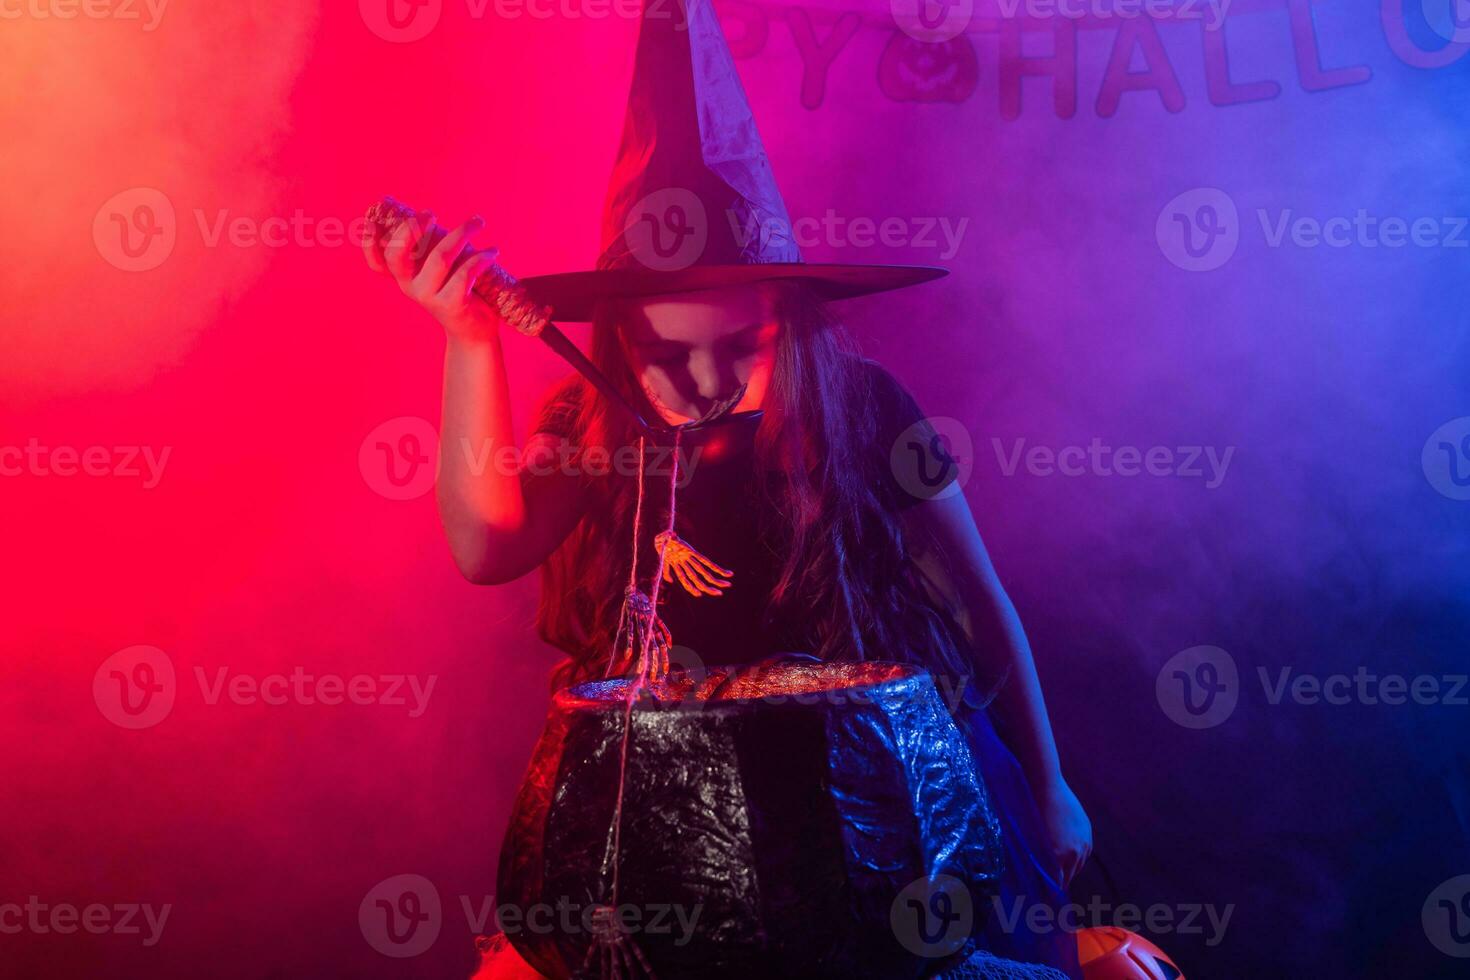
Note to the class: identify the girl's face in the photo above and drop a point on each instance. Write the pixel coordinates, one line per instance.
(693, 350)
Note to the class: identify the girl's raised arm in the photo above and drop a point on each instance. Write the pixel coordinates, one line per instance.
(496, 531)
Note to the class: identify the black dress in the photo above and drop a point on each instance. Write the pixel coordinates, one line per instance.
(725, 513)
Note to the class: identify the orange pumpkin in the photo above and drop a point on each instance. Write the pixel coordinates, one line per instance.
(500, 961)
(1110, 953)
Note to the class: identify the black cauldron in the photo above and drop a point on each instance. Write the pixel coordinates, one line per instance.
(771, 819)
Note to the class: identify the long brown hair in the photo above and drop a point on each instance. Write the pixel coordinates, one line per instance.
(847, 570)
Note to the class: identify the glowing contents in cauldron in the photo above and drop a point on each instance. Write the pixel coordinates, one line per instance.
(741, 684)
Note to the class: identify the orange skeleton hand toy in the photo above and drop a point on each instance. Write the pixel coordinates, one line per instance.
(696, 573)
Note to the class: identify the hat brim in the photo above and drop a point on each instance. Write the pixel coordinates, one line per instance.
(573, 295)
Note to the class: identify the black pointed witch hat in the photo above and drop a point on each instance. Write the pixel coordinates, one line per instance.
(693, 203)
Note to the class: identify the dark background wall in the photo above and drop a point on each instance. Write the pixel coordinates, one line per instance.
(1330, 536)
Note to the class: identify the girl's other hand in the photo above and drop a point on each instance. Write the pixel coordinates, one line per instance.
(1068, 830)
(438, 285)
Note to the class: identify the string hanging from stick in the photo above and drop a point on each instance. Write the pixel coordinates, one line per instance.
(617, 952)
(640, 629)
(612, 655)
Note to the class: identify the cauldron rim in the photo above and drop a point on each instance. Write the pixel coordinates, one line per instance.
(876, 677)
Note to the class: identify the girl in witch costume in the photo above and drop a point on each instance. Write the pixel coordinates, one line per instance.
(818, 520)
